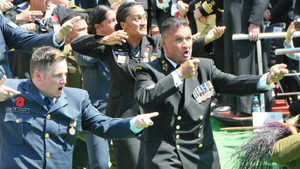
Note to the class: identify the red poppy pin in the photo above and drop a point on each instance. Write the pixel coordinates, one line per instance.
(54, 18)
(20, 101)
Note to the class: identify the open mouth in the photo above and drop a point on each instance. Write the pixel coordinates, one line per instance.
(186, 52)
(60, 89)
(143, 28)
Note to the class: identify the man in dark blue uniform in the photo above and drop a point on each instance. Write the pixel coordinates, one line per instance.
(40, 122)
(181, 88)
(12, 36)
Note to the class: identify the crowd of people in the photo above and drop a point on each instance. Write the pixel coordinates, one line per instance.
(145, 79)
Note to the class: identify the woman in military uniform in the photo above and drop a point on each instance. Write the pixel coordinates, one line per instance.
(121, 59)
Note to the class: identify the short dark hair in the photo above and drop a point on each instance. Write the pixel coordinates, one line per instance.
(97, 16)
(45, 56)
(70, 16)
(123, 12)
(172, 22)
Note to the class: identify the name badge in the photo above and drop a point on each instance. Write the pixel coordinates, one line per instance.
(121, 59)
(22, 110)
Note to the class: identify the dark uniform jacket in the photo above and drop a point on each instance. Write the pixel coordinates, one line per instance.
(182, 136)
(34, 137)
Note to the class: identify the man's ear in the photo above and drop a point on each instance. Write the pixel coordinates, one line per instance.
(122, 24)
(68, 39)
(162, 42)
(38, 75)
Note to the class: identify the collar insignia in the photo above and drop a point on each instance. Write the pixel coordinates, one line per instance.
(165, 65)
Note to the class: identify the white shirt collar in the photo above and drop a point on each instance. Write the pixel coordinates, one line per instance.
(173, 63)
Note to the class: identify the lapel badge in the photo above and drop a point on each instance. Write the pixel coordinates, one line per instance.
(152, 58)
(146, 56)
(54, 18)
(121, 59)
(165, 65)
(20, 101)
(72, 125)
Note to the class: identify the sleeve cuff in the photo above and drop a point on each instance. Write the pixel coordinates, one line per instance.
(177, 78)
(262, 83)
(133, 128)
(61, 43)
(291, 45)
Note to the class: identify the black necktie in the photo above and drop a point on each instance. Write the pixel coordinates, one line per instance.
(48, 103)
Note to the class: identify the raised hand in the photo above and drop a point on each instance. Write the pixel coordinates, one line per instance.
(65, 29)
(214, 34)
(198, 16)
(289, 33)
(188, 68)
(28, 15)
(276, 73)
(5, 5)
(116, 5)
(183, 8)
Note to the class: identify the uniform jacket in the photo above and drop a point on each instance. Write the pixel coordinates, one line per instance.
(33, 137)
(285, 152)
(12, 36)
(182, 130)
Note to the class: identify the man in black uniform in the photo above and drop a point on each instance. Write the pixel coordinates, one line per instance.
(182, 137)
